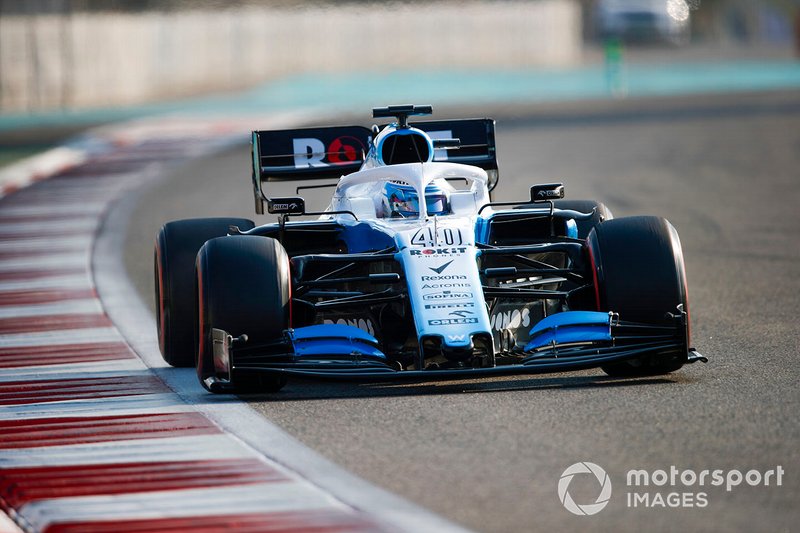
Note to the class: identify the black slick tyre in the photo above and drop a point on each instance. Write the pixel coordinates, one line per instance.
(176, 247)
(640, 274)
(243, 287)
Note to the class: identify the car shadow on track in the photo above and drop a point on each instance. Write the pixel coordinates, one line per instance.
(300, 389)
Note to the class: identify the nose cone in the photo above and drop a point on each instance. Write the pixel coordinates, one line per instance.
(458, 352)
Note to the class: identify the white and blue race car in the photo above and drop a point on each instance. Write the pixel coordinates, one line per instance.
(413, 272)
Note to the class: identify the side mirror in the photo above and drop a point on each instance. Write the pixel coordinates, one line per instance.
(547, 192)
(293, 205)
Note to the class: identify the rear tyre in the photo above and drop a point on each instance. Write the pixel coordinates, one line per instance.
(177, 244)
(243, 287)
(640, 275)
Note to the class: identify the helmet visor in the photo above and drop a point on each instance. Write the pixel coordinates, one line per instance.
(404, 203)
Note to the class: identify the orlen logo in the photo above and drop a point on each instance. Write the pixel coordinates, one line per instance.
(431, 252)
(311, 152)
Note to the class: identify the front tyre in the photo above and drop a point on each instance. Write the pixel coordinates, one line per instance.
(177, 244)
(243, 287)
(640, 274)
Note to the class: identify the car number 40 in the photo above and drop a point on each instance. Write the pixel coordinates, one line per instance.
(444, 236)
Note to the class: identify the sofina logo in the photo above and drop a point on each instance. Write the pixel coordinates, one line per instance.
(590, 508)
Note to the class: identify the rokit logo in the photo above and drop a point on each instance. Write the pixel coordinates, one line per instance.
(451, 321)
(448, 295)
(311, 152)
(437, 252)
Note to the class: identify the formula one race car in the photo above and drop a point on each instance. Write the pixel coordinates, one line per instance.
(413, 272)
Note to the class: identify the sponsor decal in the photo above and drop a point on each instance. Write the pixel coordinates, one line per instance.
(308, 152)
(442, 236)
(360, 323)
(547, 194)
(451, 321)
(510, 319)
(344, 150)
(445, 285)
(441, 269)
(449, 306)
(448, 295)
(443, 278)
(311, 152)
(437, 252)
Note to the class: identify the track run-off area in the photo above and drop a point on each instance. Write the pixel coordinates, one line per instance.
(489, 454)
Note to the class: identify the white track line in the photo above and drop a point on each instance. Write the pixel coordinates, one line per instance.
(90, 370)
(68, 282)
(67, 307)
(84, 225)
(184, 448)
(117, 406)
(67, 336)
(276, 497)
(45, 244)
(57, 209)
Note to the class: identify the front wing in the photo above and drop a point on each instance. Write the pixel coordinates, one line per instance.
(563, 342)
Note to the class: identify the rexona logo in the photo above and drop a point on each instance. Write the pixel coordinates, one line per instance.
(579, 469)
(437, 252)
(442, 278)
(451, 321)
(448, 295)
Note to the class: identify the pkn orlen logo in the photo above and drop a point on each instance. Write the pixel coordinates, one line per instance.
(590, 508)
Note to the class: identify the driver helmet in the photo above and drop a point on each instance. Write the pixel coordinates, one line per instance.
(400, 200)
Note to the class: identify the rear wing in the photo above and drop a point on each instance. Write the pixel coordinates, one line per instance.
(332, 152)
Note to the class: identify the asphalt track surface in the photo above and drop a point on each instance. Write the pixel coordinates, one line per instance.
(488, 454)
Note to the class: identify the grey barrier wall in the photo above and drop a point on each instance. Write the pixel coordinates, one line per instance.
(84, 60)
